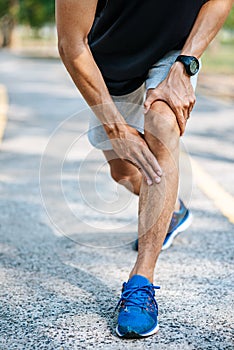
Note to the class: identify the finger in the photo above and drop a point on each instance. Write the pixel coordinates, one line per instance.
(192, 101)
(144, 174)
(181, 121)
(186, 113)
(146, 177)
(151, 97)
(151, 167)
(148, 171)
(179, 117)
(191, 107)
(152, 161)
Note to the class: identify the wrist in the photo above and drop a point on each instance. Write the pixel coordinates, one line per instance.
(190, 63)
(179, 68)
(115, 129)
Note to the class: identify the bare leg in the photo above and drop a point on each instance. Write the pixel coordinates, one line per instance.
(124, 172)
(157, 202)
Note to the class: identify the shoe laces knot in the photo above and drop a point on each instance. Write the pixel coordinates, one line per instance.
(142, 297)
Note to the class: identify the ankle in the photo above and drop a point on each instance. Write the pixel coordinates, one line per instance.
(142, 272)
(177, 206)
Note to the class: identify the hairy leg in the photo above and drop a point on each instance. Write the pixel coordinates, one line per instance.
(157, 202)
(126, 174)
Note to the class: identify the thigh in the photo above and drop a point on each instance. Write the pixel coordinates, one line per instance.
(131, 108)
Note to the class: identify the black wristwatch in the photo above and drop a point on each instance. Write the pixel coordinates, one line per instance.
(190, 63)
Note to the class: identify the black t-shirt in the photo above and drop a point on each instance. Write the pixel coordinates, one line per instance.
(129, 36)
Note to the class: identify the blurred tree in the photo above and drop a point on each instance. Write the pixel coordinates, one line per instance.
(229, 24)
(33, 12)
(36, 12)
(8, 14)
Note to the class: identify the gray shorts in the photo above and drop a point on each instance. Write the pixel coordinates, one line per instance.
(131, 105)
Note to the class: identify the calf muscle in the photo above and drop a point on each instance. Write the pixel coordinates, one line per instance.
(157, 202)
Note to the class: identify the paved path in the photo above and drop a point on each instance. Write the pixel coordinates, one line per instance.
(58, 291)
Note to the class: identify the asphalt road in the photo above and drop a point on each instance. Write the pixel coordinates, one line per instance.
(65, 243)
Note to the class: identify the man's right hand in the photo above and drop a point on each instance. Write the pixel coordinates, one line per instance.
(130, 145)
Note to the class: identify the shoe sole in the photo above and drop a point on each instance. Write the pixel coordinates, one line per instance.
(132, 335)
(183, 227)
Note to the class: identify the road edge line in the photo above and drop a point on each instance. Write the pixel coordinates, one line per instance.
(214, 191)
(3, 110)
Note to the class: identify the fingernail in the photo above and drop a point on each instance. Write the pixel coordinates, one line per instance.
(157, 180)
(159, 173)
(149, 182)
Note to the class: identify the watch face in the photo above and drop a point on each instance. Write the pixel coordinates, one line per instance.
(194, 66)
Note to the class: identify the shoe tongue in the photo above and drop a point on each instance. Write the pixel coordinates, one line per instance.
(138, 281)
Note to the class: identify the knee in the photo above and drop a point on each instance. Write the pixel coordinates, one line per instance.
(161, 126)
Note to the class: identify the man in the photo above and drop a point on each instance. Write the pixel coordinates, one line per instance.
(115, 51)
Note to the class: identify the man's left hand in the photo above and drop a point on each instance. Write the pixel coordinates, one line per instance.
(177, 91)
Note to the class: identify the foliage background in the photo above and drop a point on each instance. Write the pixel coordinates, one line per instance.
(35, 15)
(38, 12)
(33, 12)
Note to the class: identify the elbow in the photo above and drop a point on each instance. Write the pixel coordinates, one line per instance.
(70, 51)
(61, 48)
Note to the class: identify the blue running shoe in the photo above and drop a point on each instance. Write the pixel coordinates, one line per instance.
(181, 220)
(138, 311)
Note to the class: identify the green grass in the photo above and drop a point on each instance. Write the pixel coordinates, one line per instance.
(219, 59)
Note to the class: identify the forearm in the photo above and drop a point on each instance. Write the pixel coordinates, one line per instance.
(209, 21)
(88, 79)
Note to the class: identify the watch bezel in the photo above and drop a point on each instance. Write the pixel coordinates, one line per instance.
(187, 61)
(195, 69)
